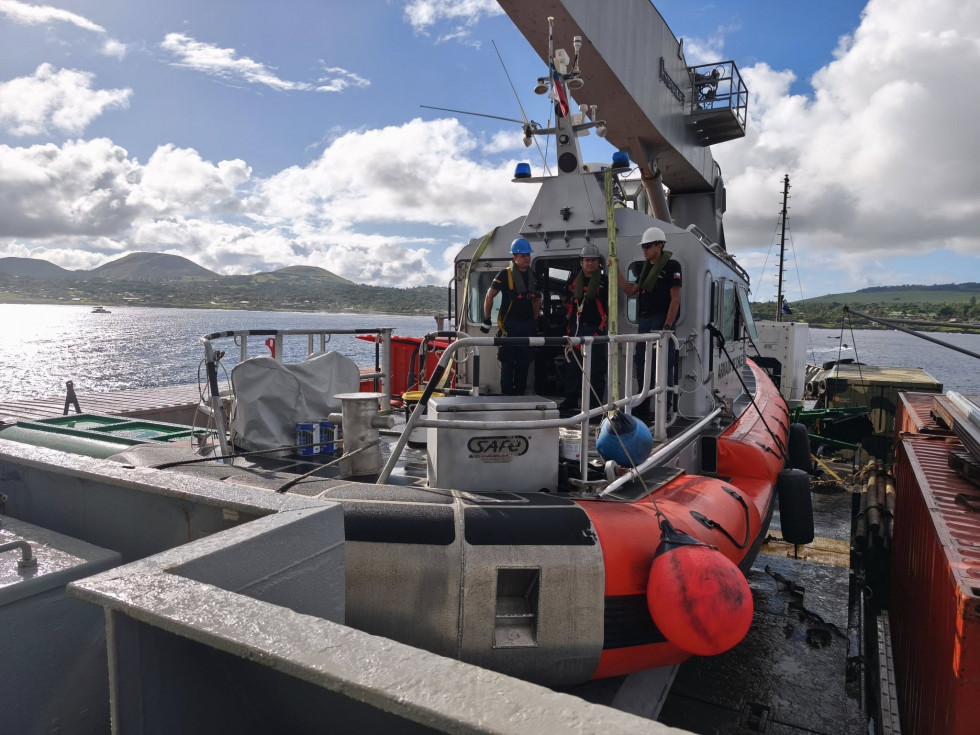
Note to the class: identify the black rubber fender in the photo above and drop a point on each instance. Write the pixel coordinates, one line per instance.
(795, 506)
(799, 448)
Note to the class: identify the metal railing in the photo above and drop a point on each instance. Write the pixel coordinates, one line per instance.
(655, 370)
(719, 86)
(316, 341)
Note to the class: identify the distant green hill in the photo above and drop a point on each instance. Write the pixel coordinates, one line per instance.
(947, 293)
(153, 279)
(149, 267)
(300, 273)
(34, 268)
(163, 267)
(955, 303)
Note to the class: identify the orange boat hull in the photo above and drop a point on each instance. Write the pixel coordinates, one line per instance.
(738, 503)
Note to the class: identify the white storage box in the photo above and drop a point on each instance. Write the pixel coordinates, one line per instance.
(511, 459)
(787, 342)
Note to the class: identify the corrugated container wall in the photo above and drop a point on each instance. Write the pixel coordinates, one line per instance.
(935, 590)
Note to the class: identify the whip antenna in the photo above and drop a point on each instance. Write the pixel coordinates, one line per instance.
(528, 126)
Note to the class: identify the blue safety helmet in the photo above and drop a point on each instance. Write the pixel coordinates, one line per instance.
(520, 246)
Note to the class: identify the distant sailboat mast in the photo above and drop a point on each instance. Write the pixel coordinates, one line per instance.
(782, 251)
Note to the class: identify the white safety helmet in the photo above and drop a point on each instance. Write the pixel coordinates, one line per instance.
(653, 234)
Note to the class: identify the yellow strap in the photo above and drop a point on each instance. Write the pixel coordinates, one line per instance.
(827, 468)
(502, 315)
(463, 313)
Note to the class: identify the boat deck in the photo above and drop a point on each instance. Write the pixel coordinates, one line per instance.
(175, 403)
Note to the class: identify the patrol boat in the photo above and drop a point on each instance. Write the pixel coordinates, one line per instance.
(510, 541)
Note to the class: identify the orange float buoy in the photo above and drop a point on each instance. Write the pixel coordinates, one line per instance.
(697, 597)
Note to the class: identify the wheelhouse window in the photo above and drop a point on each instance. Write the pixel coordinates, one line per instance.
(632, 276)
(728, 316)
(480, 282)
(746, 312)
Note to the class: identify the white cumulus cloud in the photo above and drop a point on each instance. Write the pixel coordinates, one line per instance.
(29, 14)
(178, 181)
(225, 63)
(879, 154)
(60, 99)
(376, 206)
(457, 16)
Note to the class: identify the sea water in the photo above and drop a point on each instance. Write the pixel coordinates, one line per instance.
(43, 346)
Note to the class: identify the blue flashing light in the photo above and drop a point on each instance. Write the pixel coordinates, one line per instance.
(523, 171)
(621, 159)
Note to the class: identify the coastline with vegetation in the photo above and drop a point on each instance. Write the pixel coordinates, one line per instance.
(160, 280)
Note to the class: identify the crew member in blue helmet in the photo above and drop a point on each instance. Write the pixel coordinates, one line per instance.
(520, 307)
(658, 283)
(586, 297)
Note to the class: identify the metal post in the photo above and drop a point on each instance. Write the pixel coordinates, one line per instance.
(211, 367)
(586, 401)
(386, 366)
(660, 391)
(782, 252)
(71, 398)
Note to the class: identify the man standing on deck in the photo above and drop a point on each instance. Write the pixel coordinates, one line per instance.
(658, 284)
(586, 296)
(520, 307)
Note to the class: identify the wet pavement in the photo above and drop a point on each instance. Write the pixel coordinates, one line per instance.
(790, 674)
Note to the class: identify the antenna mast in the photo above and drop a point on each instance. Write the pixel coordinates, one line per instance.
(782, 251)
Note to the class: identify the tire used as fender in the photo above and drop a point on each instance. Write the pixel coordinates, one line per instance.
(795, 506)
(799, 448)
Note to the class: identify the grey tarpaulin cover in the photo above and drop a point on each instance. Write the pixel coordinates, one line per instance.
(271, 398)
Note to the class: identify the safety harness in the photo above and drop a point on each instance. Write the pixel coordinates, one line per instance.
(580, 295)
(519, 290)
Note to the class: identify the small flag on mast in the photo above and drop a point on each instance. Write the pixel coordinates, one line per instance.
(558, 91)
(785, 307)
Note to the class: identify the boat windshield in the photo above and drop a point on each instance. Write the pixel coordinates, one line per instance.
(743, 301)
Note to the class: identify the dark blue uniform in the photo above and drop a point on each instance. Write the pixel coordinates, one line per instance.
(516, 319)
(587, 310)
(652, 306)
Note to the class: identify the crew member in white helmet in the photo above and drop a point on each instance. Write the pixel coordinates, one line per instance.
(658, 283)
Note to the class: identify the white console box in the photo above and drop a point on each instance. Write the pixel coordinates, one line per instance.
(787, 343)
(511, 459)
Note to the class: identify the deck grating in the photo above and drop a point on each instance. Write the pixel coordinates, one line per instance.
(122, 403)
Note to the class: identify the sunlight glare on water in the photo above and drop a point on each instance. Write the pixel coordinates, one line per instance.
(135, 347)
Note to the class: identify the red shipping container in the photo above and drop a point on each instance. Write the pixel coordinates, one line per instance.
(914, 415)
(935, 590)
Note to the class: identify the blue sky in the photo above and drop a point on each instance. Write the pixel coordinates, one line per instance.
(253, 135)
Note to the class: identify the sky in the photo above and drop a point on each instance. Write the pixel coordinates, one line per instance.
(248, 136)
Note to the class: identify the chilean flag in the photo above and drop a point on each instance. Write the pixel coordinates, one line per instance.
(558, 91)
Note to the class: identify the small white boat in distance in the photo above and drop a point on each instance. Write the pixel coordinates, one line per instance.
(100, 310)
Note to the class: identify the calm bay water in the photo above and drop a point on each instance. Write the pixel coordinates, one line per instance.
(956, 371)
(133, 347)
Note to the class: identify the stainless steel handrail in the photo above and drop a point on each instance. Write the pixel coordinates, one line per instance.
(241, 337)
(659, 390)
